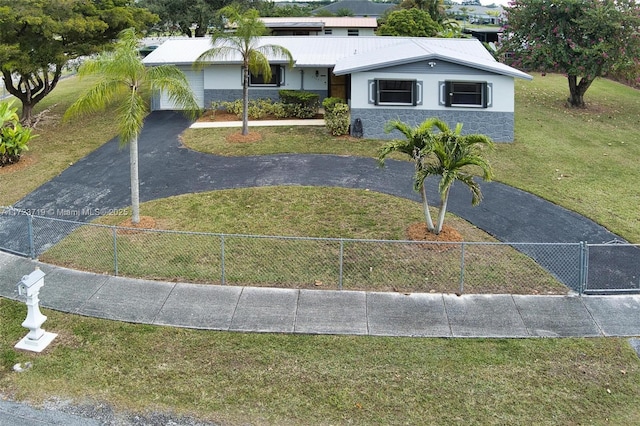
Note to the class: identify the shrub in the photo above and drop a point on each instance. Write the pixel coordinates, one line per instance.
(14, 138)
(278, 110)
(232, 107)
(329, 103)
(300, 104)
(337, 121)
(257, 108)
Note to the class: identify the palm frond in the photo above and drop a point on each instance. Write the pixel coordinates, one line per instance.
(172, 80)
(131, 117)
(222, 52)
(448, 177)
(400, 126)
(276, 52)
(474, 187)
(96, 98)
(258, 64)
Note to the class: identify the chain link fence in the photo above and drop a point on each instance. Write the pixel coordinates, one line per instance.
(612, 268)
(323, 263)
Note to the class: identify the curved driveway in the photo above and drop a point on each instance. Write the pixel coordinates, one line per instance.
(101, 181)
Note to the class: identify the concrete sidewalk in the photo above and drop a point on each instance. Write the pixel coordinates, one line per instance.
(252, 309)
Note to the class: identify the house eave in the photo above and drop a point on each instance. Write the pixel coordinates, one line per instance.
(492, 68)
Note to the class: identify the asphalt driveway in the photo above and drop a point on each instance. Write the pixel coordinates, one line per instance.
(100, 183)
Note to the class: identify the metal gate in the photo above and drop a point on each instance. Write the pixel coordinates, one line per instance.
(612, 268)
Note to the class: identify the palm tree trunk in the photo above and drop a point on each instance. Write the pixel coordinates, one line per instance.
(443, 210)
(135, 183)
(245, 102)
(427, 212)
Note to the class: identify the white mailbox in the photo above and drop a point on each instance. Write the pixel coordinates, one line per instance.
(31, 284)
(37, 339)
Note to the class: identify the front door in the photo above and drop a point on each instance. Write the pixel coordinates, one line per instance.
(339, 86)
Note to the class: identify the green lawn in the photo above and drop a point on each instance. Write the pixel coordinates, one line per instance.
(262, 379)
(301, 212)
(58, 145)
(585, 160)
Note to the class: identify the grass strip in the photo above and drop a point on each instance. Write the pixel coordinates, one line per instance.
(240, 378)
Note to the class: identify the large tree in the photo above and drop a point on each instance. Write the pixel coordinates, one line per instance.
(123, 79)
(246, 42)
(192, 18)
(39, 37)
(435, 8)
(409, 23)
(584, 39)
(439, 151)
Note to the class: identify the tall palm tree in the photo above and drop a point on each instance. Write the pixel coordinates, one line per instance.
(445, 153)
(123, 79)
(245, 41)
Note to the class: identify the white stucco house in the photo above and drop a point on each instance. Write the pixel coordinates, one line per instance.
(381, 78)
(321, 26)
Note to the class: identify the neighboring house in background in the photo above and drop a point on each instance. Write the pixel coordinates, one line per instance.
(357, 8)
(321, 26)
(381, 78)
(478, 15)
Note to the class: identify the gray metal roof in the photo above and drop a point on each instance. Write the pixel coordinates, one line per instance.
(468, 52)
(348, 54)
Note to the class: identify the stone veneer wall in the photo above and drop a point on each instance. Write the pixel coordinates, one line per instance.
(230, 95)
(497, 125)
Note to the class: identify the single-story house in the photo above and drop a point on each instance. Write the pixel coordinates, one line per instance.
(321, 26)
(381, 78)
(476, 14)
(356, 8)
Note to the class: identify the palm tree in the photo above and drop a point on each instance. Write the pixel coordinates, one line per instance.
(416, 140)
(445, 153)
(123, 79)
(245, 41)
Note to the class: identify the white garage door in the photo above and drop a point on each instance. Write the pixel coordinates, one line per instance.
(196, 80)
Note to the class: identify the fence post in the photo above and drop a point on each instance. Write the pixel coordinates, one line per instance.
(584, 267)
(222, 272)
(115, 251)
(32, 249)
(341, 263)
(462, 268)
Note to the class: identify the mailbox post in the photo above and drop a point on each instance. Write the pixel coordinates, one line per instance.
(37, 339)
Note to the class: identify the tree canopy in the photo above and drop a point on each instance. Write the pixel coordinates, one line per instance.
(191, 18)
(584, 39)
(39, 37)
(195, 18)
(409, 23)
(435, 8)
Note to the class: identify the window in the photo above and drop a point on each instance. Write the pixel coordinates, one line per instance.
(466, 94)
(353, 32)
(277, 77)
(328, 31)
(396, 92)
